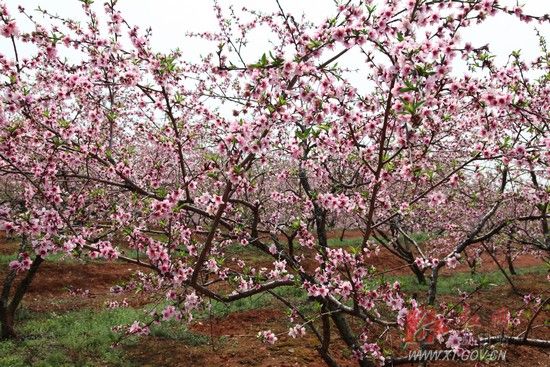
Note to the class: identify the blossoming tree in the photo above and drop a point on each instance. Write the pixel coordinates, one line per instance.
(119, 148)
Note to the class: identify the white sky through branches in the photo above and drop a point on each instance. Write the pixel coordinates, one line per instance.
(172, 19)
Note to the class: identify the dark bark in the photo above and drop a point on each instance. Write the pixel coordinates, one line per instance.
(432, 291)
(348, 337)
(343, 234)
(6, 320)
(9, 308)
(543, 208)
(495, 260)
(420, 277)
(511, 267)
(8, 330)
(514, 340)
(327, 358)
(472, 263)
(509, 259)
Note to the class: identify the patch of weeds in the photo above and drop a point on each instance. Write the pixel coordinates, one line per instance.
(247, 253)
(59, 257)
(5, 259)
(463, 281)
(346, 242)
(175, 330)
(23, 313)
(221, 309)
(79, 338)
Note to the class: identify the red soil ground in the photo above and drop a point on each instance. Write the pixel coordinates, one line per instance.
(233, 338)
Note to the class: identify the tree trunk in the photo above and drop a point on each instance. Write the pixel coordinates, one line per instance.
(7, 308)
(510, 265)
(502, 270)
(347, 336)
(342, 234)
(509, 258)
(420, 277)
(472, 263)
(6, 319)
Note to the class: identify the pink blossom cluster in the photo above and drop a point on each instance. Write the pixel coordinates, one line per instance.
(267, 336)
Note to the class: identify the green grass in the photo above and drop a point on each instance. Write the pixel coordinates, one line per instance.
(220, 309)
(81, 338)
(59, 257)
(450, 284)
(419, 237)
(246, 253)
(84, 337)
(5, 259)
(176, 330)
(346, 242)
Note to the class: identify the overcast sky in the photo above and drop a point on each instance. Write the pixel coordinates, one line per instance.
(171, 19)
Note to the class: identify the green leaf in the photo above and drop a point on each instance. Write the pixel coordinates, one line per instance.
(64, 123)
(167, 64)
(211, 156)
(111, 116)
(424, 70)
(313, 44)
(178, 98)
(324, 126)
(262, 63)
(161, 191)
(277, 61)
(55, 38)
(303, 135)
(57, 141)
(409, 87)
(507, 142)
